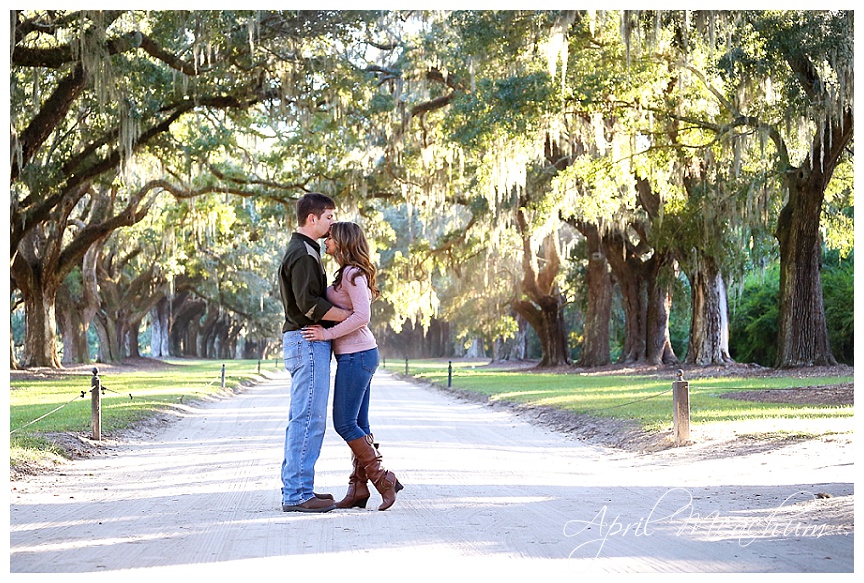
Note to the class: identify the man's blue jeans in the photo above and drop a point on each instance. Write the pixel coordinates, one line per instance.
(309, 365)
(351, 393)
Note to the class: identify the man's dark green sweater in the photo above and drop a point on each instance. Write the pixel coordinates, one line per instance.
(303, 284)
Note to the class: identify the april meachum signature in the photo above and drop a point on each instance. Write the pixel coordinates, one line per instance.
(645, 526)
(683, 515)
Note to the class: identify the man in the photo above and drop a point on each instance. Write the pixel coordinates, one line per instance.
(303, 284)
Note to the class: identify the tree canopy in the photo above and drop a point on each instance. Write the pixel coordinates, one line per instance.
(490, 156)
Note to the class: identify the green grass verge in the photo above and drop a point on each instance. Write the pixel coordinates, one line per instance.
(645, 399)
(58, 398)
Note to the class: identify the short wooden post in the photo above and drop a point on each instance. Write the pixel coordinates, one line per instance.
(406, 365)
(259, 366)
(681, 405)
(449, 373)
(96, 405)
(223, 376)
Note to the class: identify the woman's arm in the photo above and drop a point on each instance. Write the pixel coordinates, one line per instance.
(360, 313)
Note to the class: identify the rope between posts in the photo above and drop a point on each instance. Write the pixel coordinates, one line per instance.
(629, 403)
(104, 388)
(717, 389)
(81, 396)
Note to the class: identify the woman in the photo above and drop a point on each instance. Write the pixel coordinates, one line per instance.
(356, 352)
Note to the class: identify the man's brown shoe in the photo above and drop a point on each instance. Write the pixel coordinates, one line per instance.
(311, 505)
(324, 496)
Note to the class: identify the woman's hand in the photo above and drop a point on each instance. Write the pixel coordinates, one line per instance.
(313, 333)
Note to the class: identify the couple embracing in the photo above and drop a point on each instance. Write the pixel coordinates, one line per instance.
(319, 319)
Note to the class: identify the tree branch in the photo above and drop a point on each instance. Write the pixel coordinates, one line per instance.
(88, 236)
(57, 57)
(52, 111)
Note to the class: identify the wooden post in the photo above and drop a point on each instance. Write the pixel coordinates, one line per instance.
(96, 405)
(223, 376)
(406, 365)
(681, 405)
(259, 366)
(449, 373)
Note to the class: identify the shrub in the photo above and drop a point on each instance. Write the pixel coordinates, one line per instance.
(838, 289)
(753, 325)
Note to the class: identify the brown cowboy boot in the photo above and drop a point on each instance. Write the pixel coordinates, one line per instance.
(370, 460)
(358, 492)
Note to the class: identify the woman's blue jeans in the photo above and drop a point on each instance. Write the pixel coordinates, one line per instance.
(309, 365)
(351, 393)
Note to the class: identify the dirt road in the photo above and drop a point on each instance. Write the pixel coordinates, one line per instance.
(483, 488)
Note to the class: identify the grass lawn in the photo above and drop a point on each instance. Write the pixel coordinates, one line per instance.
(646, 399)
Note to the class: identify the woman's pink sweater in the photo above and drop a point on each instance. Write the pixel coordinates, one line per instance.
(352, 334)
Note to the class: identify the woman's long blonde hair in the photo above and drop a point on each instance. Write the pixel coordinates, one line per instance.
(352, 249)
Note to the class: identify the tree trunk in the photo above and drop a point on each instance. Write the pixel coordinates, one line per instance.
(75, 313)
(219, 335)
(194, 343)
(206, 337)
(109, 343)
(118, 332)
(598, 309)
(520, 343)
(629, 271)
(634, 301)
(252, 349)
(133, 349)
(547, 319)
(645, 286)
(543, 308)
(709, 325)
(90, 300)
(40, 325)
(476, 349)
(186, 311)
(13, 360)
(803, 331)
(499, 351)
(38, 284)
(223, 336)
(658, 344)
(73, 330)
(159, 330)
(232, 338)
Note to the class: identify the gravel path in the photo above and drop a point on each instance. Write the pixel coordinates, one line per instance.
(483, 488)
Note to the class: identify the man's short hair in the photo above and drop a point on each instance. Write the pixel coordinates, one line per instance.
(313, 203)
